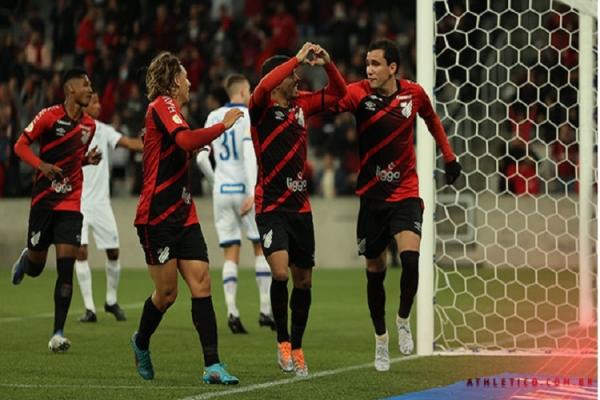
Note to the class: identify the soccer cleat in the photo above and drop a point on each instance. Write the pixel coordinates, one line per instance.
(266, 320)
(143, 363)
(116, 310)
(58, 344)
(217, 373)
(235, 324)
(284, 356)
(405, 340)
(382, 354)
(88, 316)
(300, 367)
(18, 270)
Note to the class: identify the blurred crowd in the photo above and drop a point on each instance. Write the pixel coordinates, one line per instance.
(115, 41)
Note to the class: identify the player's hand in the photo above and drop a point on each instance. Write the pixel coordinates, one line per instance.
(94, 156)
(303, 53)
(453, 170)
(321, 56)
(50, 171)
(231, 116)
(247, 205)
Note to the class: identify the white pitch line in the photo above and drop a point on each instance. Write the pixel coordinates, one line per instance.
(51, 314)
(111, 387)
(279, 382)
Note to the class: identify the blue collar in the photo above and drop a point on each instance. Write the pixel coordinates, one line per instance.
(235, 105)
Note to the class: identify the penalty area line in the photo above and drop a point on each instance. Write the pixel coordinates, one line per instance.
(279, 382)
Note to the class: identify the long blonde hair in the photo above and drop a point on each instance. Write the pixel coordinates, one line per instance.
(160, 78)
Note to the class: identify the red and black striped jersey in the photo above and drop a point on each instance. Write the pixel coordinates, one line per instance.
(385, 128)
(165, 197)
(64, 143)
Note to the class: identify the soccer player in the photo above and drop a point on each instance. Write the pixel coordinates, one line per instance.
(98, 216)
(385, 109)
(64, 132)
(233, 181)
(279, 112)
(166, 219)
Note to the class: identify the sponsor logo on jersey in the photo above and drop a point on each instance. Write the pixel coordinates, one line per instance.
(35, 238)
(300, 116)
(297, 185)
(186, 196)
(387, 174)
(163, 254)
(361, 243)
(406, 107)
(268, 239)
(371, 106)
(29, 127)
(170, 104)
(61, 187)
(85, 134)
(177, 119)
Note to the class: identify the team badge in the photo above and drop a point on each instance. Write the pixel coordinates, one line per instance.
(406, 107)
(29, 127)
(163, 254)
(268, 239)
(362, 245)
(35, 238)
(85, 134)
(300, 116)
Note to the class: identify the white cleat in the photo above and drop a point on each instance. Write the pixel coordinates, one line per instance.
(405, 340)
(382, 354)
(58, 344)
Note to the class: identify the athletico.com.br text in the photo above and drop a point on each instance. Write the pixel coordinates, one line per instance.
(528, 382)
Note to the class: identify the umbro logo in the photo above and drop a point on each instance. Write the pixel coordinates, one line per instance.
(35, 238)
(163, 254)
(268, 239)
(60, 131)
(280, 115)
(371, 106)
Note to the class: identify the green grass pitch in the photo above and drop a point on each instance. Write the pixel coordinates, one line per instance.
(338, 345)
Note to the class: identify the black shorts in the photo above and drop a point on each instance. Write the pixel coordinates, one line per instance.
(48, 227)
(379, 221)
(288, 231)
(163, 243)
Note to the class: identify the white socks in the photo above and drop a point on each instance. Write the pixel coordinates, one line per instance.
(84, 277)
(263, 281)
(230, 282)
(113, 274)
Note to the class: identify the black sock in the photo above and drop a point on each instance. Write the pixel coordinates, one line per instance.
(376, 300)
(300, 305)
(203, 316)
(408, 282)
(151, 317)
(279, 304)
(63, 291)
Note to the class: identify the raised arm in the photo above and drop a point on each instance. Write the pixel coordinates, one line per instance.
(190, 140)
(262, 92)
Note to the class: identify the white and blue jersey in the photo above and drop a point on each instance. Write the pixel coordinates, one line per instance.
(234, 175)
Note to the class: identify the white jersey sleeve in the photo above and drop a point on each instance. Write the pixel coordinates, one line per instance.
(112, 136)
(249, 158)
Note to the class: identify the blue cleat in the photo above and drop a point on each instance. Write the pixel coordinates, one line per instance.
(143, 363)
(18, 270)
(217, 373)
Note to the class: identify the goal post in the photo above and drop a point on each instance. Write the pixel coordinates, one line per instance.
(508, 258)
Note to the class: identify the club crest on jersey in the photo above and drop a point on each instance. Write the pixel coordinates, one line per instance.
(186, 196)
(406, 107)
(371, 106)
(361, 243)
(300, 116)
(279, 115)
(85, 134)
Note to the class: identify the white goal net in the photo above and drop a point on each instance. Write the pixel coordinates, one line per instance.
(507, 88)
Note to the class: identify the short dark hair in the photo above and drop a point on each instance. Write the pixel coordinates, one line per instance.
(390, 50)
(233, 79)
(272, 62)
(73, 73)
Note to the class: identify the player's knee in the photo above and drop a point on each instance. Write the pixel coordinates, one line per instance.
(280, 275)
(82, 253)
(165, 298)
(33, 268)
(112, 254)
(375, 264)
